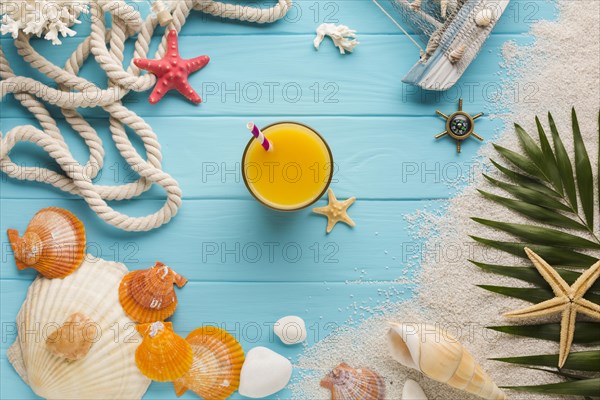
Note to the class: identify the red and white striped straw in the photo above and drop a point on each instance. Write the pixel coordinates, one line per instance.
(259, 136)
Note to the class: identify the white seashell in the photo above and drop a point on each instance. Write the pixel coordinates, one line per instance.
(264, 373)
(457, 54)
(108, 370)
(412, 391)
(485, 17)
(290, 329)
(440, 357)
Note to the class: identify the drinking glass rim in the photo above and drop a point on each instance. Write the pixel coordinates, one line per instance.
(329, 178)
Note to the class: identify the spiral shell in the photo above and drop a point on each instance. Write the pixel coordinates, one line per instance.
(215, 371)
(148, 295)
(53, 243)
(457, 54)
(163, 355)
(440, 357)
(347, 383)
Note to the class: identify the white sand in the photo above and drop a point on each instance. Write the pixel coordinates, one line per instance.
(564, 66)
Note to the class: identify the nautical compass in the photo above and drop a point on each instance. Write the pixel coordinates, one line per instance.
(459, 125)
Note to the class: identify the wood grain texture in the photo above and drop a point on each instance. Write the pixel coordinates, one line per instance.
(249, 266)
(241, 241)
(283, 76)
(375, 157)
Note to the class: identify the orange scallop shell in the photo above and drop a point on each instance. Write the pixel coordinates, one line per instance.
(218, 359)
(163, 355)
(347, 383)
(148, 295)
(53, 243)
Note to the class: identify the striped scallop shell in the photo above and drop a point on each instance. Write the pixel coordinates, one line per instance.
(148, 295)
(347, 383)
(163, 355)
(218, 359)
(108, 370)
(53, 243)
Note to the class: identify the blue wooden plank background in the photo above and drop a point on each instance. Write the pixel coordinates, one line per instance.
(249, 266)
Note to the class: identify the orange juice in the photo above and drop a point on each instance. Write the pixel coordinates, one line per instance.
(295, 173)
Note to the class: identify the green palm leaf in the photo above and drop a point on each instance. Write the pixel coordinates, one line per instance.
(524, 180)
(585, 332)
(578, 361)
(583, 168)
(552, 255)
(584, 387)
(549, 160)
(532, 295)
(564, 164)
(518, 160)
(540, 235)
(534, 211)
(530, 194)
(546, 185)
(546, 165)
(531, 275)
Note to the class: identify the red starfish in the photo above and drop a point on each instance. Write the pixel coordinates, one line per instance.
(172, 71)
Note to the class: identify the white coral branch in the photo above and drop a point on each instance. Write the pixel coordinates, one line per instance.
(50, 19)
(342, 36)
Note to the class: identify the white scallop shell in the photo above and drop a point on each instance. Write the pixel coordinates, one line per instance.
(108, 371)
(412, 391)
(290, 329)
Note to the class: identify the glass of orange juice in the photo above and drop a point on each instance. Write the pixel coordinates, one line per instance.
(294, 173)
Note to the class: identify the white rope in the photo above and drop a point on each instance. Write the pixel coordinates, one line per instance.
(74, 92)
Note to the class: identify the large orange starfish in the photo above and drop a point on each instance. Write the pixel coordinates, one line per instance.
(172, 71)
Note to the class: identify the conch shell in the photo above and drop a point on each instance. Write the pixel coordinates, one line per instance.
(163, 355)
(412, 391)
(215, 371)
(440, 357)
(105, 364)
(148, 295)
(74, 339)
(53, 243)
(347, 383)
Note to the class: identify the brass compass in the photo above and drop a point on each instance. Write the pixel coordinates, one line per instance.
(459, 125)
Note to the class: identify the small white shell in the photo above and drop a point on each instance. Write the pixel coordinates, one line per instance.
(264, 373)
(412, 391)
(485, 17)
(457, 54)
(290, 329)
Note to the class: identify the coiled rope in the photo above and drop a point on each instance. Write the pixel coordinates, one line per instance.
(72, 92)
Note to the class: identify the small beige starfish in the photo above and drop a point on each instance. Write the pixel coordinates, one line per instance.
(568, 301)
(336, 211)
